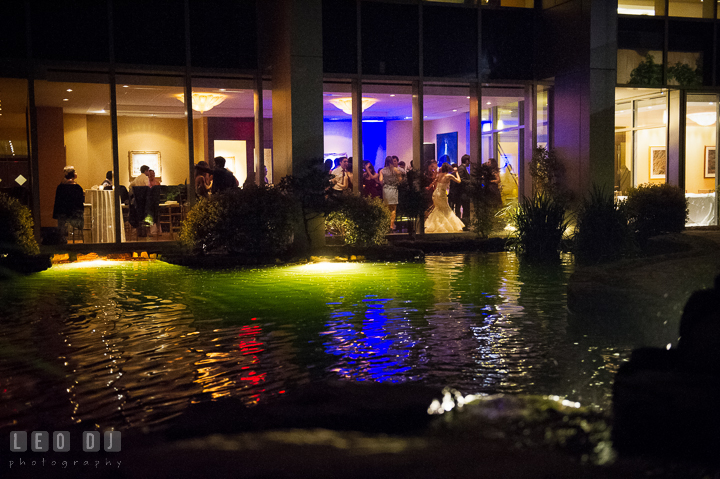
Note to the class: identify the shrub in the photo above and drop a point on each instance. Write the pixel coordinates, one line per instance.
(252, 220)
(16, 227)
(547, 173)
(655, 209)
(362, 221)
(539, 227)
(308, 189)
(486, 203)
(602, 231)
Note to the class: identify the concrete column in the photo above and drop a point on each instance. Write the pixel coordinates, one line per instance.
(675, 150)
(290, 31)
(357, 141)
(584, 101)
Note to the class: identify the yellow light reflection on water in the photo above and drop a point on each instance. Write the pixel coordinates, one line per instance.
(326, 267)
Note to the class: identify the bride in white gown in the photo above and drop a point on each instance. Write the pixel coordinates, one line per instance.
(442, 219)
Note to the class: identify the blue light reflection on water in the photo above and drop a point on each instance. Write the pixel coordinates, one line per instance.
(132, 344)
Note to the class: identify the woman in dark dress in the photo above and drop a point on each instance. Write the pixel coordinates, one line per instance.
(371, 181)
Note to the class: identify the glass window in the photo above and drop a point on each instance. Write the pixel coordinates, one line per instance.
(543, 137)
(447, 122)
(640, 45)
(623, 115)
(74, 130)
(225, 126)
(12, 24)
(505, 53)
(502, 138)
(390, 35)
(152, 131)
(218, 50)
(689, 45)
(641, 7)
(650, 140)
(149, 32)
(450, 42)
(339, 19)
(691, 8)
(14, 161)
(700, 135)
(53, 21)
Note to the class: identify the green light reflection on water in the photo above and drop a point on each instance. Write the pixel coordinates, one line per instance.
(123, 332)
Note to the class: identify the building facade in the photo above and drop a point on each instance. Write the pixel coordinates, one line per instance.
(625, 93)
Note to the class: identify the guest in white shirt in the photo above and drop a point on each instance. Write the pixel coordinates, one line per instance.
(142, 179)
(342, 178)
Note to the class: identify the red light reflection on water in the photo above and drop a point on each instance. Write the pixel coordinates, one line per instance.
(249, 345)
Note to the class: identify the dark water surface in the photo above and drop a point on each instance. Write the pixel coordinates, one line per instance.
(132, 344)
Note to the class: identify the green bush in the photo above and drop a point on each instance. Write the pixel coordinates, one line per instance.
(539, 227)
(486, 203)
(547, 173)
(602, 230)
(252, 220)
(16, 227)
(362, 221)
(655, 209)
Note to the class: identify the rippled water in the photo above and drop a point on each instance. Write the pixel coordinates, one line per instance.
(132, 344)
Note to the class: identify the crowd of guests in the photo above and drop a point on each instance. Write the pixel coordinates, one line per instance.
(386, 183)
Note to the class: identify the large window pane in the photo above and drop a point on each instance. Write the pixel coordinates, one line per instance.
(150, 32)
(14, 163)
(339, 36)
(640, 7)
(640, 46)
(152, 131)
(74, 130)
(691, 8)
(650, 141)
(390, 39)
(450, 42)
(689, 45)
(700, 142)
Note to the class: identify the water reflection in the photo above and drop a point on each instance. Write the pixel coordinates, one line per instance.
(131, 345)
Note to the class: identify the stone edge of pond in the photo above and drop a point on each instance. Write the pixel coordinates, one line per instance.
(398, 251)
(12, 265)
(609, 288)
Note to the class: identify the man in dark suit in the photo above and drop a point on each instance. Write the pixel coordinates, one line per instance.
(461, 201)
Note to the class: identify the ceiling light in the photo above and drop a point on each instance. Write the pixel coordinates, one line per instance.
(345, 104)
(488, 103)
(703, 119)
(392, 95)
(65, 99)
(125, 86)
(454, 110)
(69, 89)
(203, 102)
(467, 97)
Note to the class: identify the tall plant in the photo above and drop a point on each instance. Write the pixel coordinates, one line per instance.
(655, 209)
(547, 172)
(602, 231)
(361, 221)
(539, 224)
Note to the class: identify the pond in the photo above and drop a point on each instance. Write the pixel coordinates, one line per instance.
(132, 344)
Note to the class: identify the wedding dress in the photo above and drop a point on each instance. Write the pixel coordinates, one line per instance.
(442, 219)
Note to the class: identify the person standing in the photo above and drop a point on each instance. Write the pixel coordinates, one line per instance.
(442, 219)
(461, 206)
(69, 208)
(342, 178)
(203, 183)
(371, 181)
(390, 178)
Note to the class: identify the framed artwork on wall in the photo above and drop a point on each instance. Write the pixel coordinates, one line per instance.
(447, 145)
(658, 163)
(136, 159)
(710, 162)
